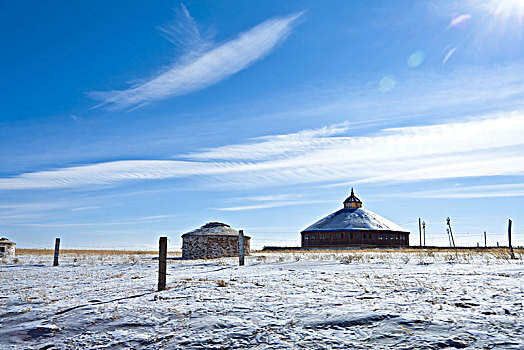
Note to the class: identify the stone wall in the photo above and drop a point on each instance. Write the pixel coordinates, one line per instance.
(211, 246)
(9, 251)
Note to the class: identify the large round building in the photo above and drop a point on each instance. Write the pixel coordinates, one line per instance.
(353, 226)
(213, 240)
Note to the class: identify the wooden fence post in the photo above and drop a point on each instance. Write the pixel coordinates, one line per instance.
(241, 248)
(509, 240)
(57, 250)
(162, 258)
(420, 232)
(485, 240)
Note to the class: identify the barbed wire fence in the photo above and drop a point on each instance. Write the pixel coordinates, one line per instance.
(434, 238)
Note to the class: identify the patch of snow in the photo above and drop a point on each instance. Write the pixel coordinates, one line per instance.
(340, 300)
(354, 219)
(213, 229)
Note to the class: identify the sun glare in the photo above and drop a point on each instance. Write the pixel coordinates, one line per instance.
(506, 11)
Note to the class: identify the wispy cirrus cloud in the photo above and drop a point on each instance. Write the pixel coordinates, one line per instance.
(183, 32)
(272, 197)
(85, 208)
(270, 201)
(482, 191)
(272, 145)
(418, 97)
(22, 212)
(132, 221)
(109, 173)
(272, 204)
(473, 147)
(202, 67)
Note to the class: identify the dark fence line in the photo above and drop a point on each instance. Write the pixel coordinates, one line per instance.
(417, 247)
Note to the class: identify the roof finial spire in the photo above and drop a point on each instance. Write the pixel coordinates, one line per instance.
(352, 201)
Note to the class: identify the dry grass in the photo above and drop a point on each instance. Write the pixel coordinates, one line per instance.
(493, 250)
(406, 255)
(221, 283)
(22, 251)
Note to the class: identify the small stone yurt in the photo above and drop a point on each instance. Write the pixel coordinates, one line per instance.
(7, 248)
(213, 240)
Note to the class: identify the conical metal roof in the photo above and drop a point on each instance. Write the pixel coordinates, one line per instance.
(354, 219)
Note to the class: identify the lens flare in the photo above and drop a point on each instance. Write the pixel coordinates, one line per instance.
(505, 9)
(387, 83)
(505, 15)
(459, 21)
(416, 58)
(448, 55)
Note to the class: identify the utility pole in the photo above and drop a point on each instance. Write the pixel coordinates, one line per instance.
(509, 239)
(424, 231)
(485, 240)
(449, 237)
(448, 220)
(419, 233)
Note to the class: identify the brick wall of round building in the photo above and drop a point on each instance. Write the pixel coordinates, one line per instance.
(356, 238)
(210, 246)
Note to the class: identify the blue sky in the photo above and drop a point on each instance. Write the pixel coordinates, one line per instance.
(123, 121)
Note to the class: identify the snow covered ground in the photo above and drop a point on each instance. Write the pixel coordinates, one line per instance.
(361, 300)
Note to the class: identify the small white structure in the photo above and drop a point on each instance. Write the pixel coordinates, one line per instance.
(213, 240)
(7, 248)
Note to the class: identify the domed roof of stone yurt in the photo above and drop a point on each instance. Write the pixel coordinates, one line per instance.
(213, 229)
